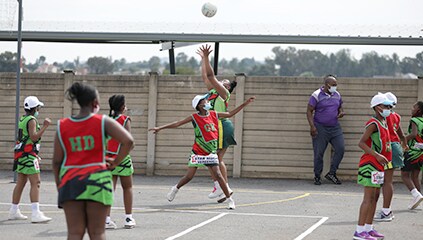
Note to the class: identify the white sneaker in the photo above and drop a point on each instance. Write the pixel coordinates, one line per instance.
(215, 193)
(416, 201)
(16, 215)
(110, 225)
(39, 218)
(222, 197)
(172, 193)
(231, 204)
(129, 223)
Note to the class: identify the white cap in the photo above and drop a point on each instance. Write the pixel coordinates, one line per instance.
(197, 99)
(380, 98)
(32, 102)
(391, 97)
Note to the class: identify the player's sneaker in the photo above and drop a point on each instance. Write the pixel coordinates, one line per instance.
(222, 197)
(215, 193)
(172, 193)
(129, 223)
(39, 218)
(376, 235)
(382, 217)
(363, 236)
(16, 215)
(416, 201)
(231, 204)
(111, 225)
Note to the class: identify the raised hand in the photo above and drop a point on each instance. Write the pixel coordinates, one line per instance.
(204, 51)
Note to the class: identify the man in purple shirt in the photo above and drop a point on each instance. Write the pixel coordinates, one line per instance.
(326, 104)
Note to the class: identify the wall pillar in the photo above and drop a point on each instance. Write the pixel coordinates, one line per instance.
(152, 115)
(239, 124)
(68, 81)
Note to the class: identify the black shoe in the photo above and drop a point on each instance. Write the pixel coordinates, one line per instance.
(317, 181)
(332, 177)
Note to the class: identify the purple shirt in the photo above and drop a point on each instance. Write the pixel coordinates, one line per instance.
(326, 107)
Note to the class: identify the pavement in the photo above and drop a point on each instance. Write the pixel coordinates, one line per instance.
(266, 209)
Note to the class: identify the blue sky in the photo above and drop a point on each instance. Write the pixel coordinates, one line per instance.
(323, 12)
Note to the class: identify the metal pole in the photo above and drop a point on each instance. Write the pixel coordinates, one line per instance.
(216, 57)
(172, 61)
(18, 76)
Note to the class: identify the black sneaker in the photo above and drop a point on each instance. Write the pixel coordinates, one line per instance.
(317, 181)
(332, 177)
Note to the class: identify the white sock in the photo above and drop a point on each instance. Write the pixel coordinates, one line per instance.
(415, 193)
(386, 211)
(128, 215)
(360, 229)
(216, 184)
(368, 227)
(108, 219)
(35, 207)
(14, 207)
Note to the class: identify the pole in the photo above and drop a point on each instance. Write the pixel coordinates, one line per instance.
(18, 76)
(216, 58)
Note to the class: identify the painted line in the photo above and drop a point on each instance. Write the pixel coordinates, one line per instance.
(196, 226)
(311, 229)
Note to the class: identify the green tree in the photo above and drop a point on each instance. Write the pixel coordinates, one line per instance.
(100, 65)
(8, 62)
(154, 63)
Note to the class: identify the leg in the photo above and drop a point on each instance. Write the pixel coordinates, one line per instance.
(19, 187)
(372, 206)
(388, 188)
(115, 177)
(187, 178)
(415, 178)
(75, 219)
(96, 215)
(406, 179)
(34, 193)
(126, 182)
(222, 166)
(365, 207)
(339, 147)
(218, 175)
(319, 146)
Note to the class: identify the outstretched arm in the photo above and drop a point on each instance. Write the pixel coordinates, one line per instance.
(236, 110)
(204, 51)
(204, 73)
(171, 125)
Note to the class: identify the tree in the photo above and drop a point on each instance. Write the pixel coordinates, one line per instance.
(154, 63)
(8, 62)
(100, 65)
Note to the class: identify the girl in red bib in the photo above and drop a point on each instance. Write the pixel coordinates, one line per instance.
(80, 167)
(204, 150)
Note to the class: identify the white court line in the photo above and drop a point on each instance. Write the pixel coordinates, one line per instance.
(311, 229)
(196, 226)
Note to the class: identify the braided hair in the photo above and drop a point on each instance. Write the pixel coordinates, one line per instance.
(116, 102)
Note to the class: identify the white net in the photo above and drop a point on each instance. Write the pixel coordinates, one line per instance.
(8, 14)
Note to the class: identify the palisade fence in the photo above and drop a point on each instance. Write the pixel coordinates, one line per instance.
(272, 133)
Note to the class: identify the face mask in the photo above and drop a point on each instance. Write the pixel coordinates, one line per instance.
(332, 89)
(207, 106)
(96, 109)
(385, 113)
(36, 114)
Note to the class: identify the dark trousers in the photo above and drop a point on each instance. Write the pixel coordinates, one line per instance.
(325, 135)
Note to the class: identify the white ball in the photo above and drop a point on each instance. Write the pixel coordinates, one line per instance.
(208, 9)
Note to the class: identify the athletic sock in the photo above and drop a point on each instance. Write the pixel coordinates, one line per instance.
(368, 227)
(360, 229)
(108, 219)
(14, 207)
(415, 193)
(35, 207)
(386, 211)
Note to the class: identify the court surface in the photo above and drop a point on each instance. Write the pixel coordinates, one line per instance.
(266, 209)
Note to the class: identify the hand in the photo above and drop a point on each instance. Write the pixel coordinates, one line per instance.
(341, 114)
(251, 99)
(313, 131)
(110, 163)
(47, 122)
(381, 159)
(154, 130)
(204, 51)
(404, 146)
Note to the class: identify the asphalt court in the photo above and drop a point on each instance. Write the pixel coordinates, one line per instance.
(266, 209)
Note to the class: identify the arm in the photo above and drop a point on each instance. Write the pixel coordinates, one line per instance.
(32, 130)
(362, 144)
(120, 134)
(205, 51)
(58, 155)
(313, 129)
(402, 138)
(413, 133)
(236, 110)
(171, 125)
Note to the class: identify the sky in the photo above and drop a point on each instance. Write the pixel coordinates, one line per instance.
(323, 12)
